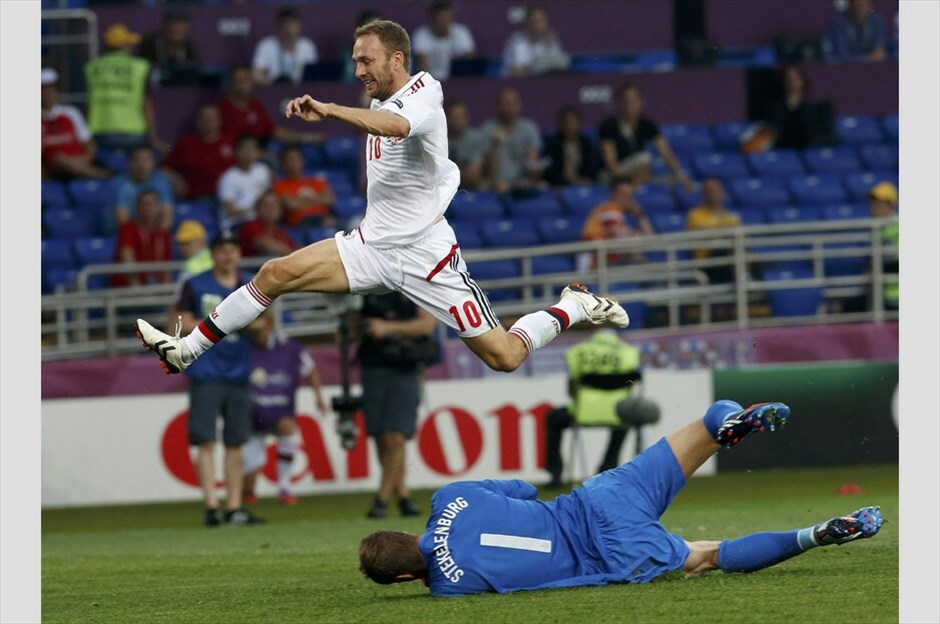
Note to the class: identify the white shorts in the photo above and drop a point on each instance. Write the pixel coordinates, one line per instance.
(429, 271)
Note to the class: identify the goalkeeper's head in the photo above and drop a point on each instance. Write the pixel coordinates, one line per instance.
(389, 557)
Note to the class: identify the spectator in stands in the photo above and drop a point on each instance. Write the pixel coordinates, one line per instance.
(856, 34)
(265, 236)
(883, 203)
(143, 239)
(570, 153)
(199, 159)
(712, 214)
(536, 49)
(120, 112)
(620, 217)
(796, 121)
(194, 247)
(514, 143)
(243, 113)
(280, 58)
(307, 200)
(242, 185)
(624, 140)
(435, 44)
(68, 150)
(142, 173)
(466, 146)
(171, 51)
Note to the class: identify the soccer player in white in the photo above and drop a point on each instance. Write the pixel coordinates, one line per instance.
(404, 243)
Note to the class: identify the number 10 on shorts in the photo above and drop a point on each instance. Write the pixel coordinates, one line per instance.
(470, 313)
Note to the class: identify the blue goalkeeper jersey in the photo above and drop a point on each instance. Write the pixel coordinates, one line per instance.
(486, 536)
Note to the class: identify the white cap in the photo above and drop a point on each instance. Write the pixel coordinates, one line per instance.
(49, 76)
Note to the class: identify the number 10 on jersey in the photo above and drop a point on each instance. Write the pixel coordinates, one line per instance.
(375, 147)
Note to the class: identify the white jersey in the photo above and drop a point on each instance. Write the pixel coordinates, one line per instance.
(410, 180)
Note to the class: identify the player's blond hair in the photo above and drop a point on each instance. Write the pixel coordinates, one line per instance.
(392, 36)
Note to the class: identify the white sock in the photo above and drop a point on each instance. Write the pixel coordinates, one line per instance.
(235, 312)
(539, 328)
(286, 448)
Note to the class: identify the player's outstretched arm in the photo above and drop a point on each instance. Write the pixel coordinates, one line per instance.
(379, 123)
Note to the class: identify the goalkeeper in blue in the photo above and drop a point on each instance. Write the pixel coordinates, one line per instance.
(495, 536)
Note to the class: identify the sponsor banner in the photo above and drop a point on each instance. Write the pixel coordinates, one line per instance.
(842, 414)
(134, 449)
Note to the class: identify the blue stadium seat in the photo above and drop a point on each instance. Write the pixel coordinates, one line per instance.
(52, 195)
(297, 234)
(841, 212)
(495, 269)
(793, 214)
(793, 301)
(340, 180)
(883, 157)
(51, 278)
(349, 206)
(688, 138)
(543, 204)
(558, 230)
(580, 200)
(751, 215)
(832, 160)
(468, 234)
(890, 125)
(817, 189)
(317, 233)
(782, 163)
(686, 200)
(94, 249)
(654, 198)
(479, 205)
(760, 192)
(659, 167)
(67, 223)
(721, 165)
(314, 158)
(856, 130)
(343, 152)
(510, 233)
(552, 264)
(851, 265)
(859, 184)
(114, 159)
(727, 136)
(203, 211)
(85, 191)
(665, 222)
(57, 253)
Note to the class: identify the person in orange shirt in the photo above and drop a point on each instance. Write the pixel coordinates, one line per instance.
(609, 220)
(306, 199)
(712, 214)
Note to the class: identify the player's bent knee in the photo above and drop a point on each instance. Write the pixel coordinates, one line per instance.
(274, 277)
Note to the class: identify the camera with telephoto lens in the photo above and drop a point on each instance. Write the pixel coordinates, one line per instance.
(346, 427)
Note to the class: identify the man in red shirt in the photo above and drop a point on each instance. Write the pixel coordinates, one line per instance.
(264, 236)
(242, 113)
(199, 159)
(143, 239)
(68, 151)
(306, 199)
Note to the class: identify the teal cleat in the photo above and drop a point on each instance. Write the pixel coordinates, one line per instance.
(861, 524)
(758, 417)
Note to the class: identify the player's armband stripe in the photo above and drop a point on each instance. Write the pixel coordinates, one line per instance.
(516, 542)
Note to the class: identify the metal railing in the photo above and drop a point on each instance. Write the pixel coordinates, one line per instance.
(89, 322)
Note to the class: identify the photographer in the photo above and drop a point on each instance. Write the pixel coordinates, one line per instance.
(396, 344)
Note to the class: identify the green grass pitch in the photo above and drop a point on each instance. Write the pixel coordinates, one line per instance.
(156, 563)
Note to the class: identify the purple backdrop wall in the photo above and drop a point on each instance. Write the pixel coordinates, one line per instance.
(742, 23)
(823, 343)
(620, 25)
